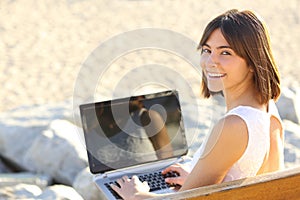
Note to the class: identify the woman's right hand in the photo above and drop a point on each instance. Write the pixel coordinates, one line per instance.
(181, 169)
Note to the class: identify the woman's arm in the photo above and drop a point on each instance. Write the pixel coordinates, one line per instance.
(226, 144)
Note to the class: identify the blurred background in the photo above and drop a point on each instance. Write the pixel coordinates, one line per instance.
(44, 43)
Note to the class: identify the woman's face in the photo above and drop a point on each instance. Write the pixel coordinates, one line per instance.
(223, 68)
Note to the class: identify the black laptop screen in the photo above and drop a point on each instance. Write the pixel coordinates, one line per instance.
(130, 131)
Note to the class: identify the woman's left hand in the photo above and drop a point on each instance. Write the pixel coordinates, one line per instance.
(131, 188)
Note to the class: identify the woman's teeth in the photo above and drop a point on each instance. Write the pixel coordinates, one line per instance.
(215, 75)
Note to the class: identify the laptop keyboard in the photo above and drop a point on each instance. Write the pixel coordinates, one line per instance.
(156, 181)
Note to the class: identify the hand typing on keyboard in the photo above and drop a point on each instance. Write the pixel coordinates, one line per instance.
(139, 187)
(131, 188)
(181, 172)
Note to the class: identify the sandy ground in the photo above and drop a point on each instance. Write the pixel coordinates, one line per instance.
(44, 43)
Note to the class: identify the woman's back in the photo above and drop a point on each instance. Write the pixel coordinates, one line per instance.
(274, 160)
(264, 152)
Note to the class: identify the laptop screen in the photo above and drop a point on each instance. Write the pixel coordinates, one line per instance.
(131, 131)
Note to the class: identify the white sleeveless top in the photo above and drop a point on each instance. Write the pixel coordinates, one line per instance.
(258, 125)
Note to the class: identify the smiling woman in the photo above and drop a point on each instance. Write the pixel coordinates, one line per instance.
(236, 59)
(246, 36)
(222, 67)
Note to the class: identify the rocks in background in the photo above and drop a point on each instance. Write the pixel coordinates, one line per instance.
(85, 186)
(20, 191)
(57, 151)
(289, 104)
(3, 167)
(19, 127)
(40, 180)
(59, 192)
(292, 142)
(33, 139)
(30, 191)
(22, 185)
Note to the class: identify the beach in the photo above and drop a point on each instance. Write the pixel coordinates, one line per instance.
(44, 43)
(68, 52)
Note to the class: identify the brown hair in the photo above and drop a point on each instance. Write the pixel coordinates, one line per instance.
(248, 37)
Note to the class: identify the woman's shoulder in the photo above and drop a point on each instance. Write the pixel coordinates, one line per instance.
(231, 128)
(228, 140)
(248, 110)
(250, 115)
(232, 123)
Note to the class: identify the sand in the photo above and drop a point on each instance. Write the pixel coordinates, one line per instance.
(44, 43)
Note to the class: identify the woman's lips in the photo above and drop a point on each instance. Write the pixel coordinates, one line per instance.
(215, 75)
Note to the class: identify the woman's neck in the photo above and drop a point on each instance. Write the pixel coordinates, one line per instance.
(246, 96)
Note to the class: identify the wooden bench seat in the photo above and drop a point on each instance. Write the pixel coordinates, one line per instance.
(277, 185)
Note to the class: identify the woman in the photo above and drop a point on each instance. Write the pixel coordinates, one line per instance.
(236, 59)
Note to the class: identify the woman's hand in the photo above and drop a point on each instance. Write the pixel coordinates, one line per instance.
(132, 188)
(181, 169)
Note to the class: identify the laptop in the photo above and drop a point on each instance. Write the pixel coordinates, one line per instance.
(139, 135)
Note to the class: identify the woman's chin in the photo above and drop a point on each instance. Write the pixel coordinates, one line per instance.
(215, 86)
(215, 89)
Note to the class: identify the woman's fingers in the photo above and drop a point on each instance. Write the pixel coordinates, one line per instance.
(125, 179)
(122, 180)
(146, 184)
(115, 188)
(135, 178)
(174, 168)
(182, 173)
(175, 180)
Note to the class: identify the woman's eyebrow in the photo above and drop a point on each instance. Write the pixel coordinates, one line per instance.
(219, 47)
(224, 47)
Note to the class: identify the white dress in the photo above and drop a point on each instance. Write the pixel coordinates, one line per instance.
(258, 125)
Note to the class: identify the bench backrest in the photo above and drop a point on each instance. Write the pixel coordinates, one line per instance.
(277, 185)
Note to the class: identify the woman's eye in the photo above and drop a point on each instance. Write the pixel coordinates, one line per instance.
(225, 53)
(205, 51)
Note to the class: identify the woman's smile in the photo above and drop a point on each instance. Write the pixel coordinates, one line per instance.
(214, 75)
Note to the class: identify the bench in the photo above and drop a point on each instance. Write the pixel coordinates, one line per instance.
(284, 184)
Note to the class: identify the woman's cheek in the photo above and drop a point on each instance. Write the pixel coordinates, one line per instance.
(202, 62)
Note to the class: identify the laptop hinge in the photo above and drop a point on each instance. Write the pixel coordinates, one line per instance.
(158, 165)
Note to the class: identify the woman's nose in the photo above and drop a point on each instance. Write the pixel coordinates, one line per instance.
(211, 60)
